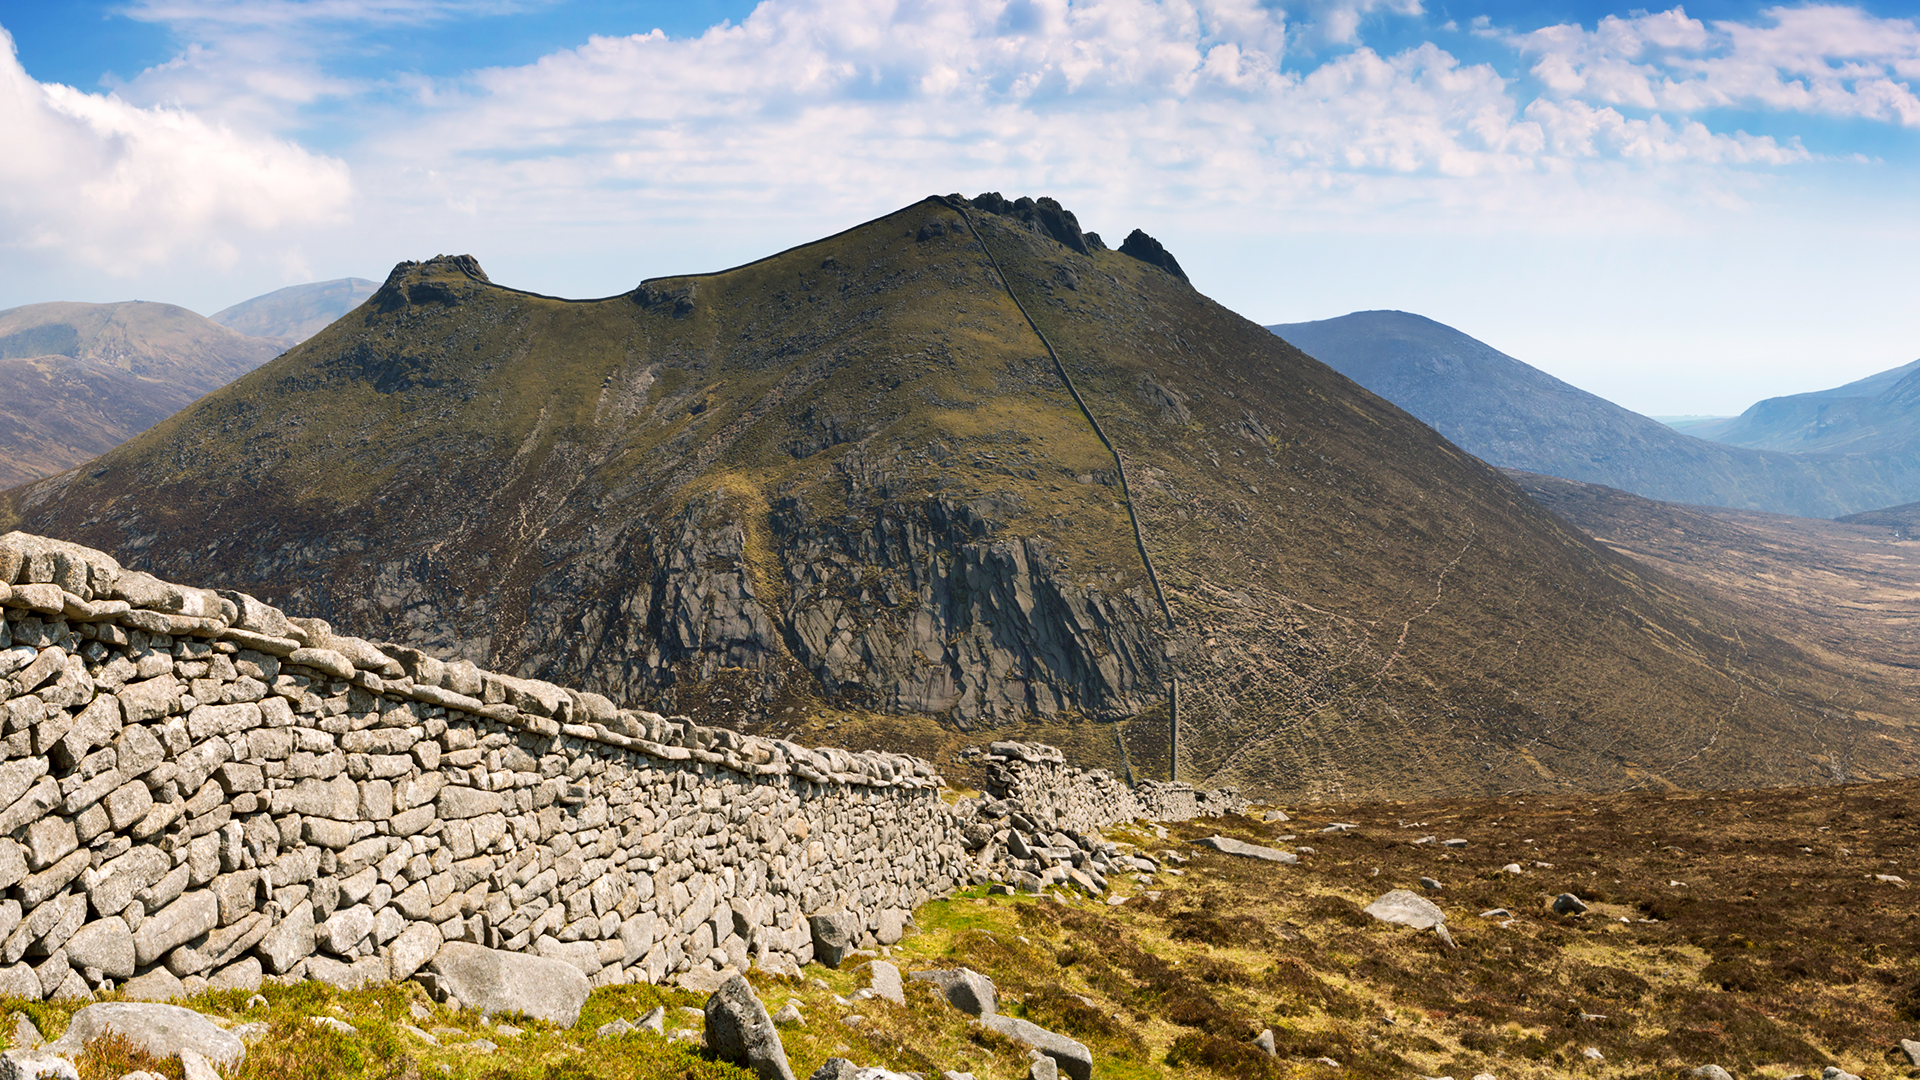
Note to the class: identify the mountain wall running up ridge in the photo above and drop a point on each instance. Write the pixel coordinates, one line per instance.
(1512, 415)
(856, 474)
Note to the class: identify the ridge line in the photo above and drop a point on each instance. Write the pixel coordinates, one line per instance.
(1120, 465)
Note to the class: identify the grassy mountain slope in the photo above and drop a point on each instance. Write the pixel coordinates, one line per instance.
(1875, 415)
(297, 312)
(851, 474)
(1516, 416)
(79, 379)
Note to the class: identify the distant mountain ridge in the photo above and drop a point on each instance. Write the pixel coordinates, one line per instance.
(297, 312)
(1877, 414)
(76, 380)
(1513, 415)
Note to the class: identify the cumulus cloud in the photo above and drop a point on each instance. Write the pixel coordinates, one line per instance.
(1819, 59)
(93, 179)
(1156, 102)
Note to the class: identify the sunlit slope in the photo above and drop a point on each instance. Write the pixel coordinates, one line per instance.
(851, 474)
(1362, 606)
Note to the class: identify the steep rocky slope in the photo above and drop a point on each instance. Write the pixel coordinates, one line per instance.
(77, 380)
(854, 474)
(1513, 415)
(297, 312)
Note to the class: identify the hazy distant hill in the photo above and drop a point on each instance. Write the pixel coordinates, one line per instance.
(297, 312)
(855, 475)
(1513, 415)
(76, 380)
(1877, 414)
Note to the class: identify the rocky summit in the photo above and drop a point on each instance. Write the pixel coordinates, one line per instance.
(964, 463)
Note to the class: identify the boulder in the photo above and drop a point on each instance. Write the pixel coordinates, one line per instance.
(160, 1030)
(965, 989)
(1407, 909)
(491, 981)
(739, 1030)
(1568, 904)
(1911, 1048)
(1231, 846)
(1072, 1058)
(835, 934)
(884, 979)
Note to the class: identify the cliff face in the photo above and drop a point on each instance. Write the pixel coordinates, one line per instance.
(857, 474)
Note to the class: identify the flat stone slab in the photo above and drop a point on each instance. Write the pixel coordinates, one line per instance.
(1252, 851)
(491, 981)
(160, 1030)
(1407, 909)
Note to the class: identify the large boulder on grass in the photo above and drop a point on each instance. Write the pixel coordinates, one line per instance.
(739, 1030)
(491, 981)
(160, 1030)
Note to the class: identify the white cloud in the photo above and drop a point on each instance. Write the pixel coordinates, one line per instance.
(1818, 59)
(91, 179)
(1131, 102)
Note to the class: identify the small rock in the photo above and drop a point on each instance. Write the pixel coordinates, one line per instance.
(1455, 843)
(1431, 885)
(1912, 1049)
(508, 1031)
(1042, 1067)
(482, 1046)
(952, 1074)
(1710, 1072)
(1833, 1073)
(1592, 1053)
(655, 1021)
(25, 1035)
(1890, 879)
(1512, 868)
(420, 1013)
(1496, 913)
(332, 1024)
(1264, 1041)
(1485, 1076)
(884, 980)
(1568, 904)
(195, 1066)
(419, 1034)
(1072, 1057)
(789, 1016)
(681, 1035)
(250, 1033)
(613, 1029)
(36, 1065)
(964, 988)
(1231, 846)
(739, 1030)
(835, 1068)
(1407, 909)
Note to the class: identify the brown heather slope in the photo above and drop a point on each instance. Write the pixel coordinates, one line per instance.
(851, 476)
(1846, 592)
(77, 380)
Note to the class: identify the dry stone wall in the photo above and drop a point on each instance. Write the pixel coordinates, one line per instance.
(196, 788)
(1048, 790)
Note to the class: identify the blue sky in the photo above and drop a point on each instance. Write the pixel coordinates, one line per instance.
(1681, 208)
